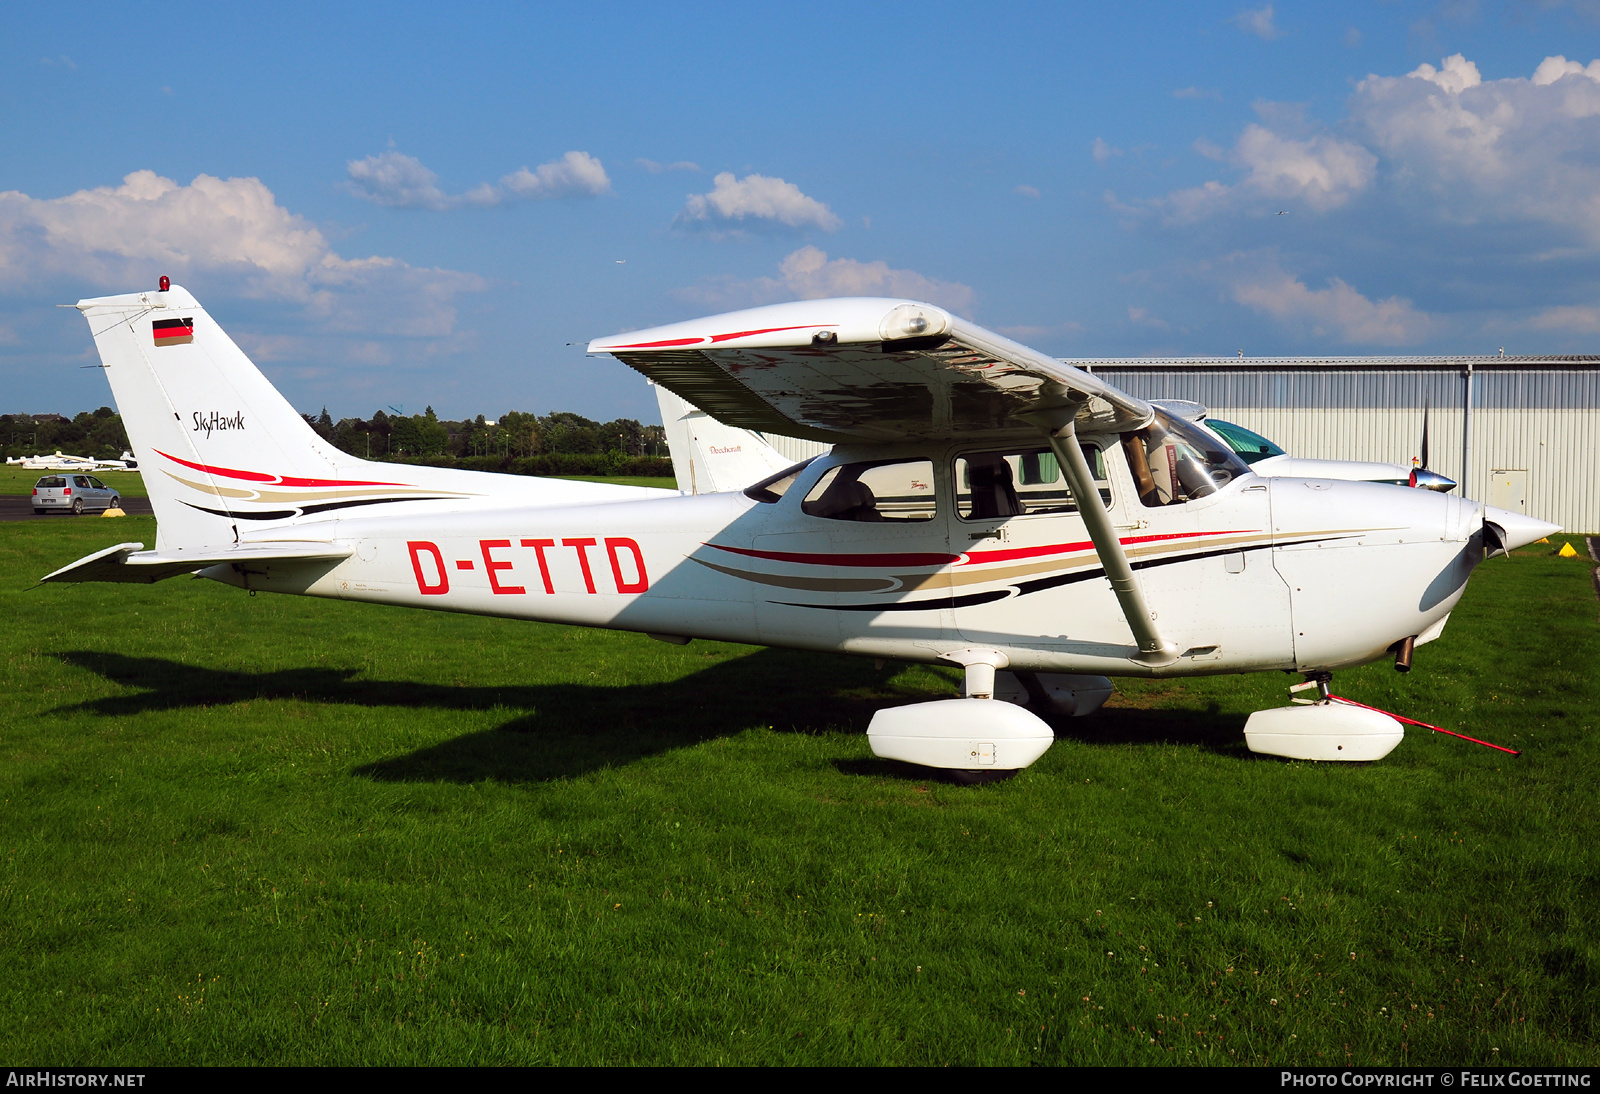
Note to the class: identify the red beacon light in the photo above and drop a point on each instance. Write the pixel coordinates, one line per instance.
(166, 282)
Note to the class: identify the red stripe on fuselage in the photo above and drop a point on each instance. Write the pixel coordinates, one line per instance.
(971, 558)
(256, 476)
(980, 557)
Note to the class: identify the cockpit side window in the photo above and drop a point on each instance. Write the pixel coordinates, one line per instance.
(898, 491)
(997, 485)
(1173, 462)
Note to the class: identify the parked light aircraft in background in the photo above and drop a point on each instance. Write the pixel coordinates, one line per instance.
(1270, 461)
(982, 505)
(59, 462)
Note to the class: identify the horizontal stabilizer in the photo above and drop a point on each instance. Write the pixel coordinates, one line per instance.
(129, 562)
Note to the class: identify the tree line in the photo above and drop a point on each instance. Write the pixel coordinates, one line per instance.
(97, 434)
(557, 443)
(515, 433)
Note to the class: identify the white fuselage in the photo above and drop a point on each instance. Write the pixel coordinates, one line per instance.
(1264, 574)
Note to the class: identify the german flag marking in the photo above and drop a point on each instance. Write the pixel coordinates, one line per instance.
(172, 332)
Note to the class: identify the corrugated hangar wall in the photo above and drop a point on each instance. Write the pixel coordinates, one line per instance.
(1539, 416)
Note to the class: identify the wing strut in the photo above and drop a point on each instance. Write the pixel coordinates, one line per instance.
(1057, 423)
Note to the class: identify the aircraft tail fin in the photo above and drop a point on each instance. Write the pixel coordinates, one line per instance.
(709, 457)
(225, 457)
(213, 437)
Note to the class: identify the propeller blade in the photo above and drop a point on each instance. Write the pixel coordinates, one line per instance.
(1494, 540)
(1425, 436)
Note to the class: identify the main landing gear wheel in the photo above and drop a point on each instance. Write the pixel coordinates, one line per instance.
(974, 740)
(977, 778)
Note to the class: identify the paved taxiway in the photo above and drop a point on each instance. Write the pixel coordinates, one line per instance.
(20, 507)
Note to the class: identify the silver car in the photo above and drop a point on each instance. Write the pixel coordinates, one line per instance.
(73, 494)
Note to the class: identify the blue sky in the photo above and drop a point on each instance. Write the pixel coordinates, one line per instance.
(391, 205)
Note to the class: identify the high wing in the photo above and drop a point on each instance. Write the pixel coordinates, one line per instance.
(868, 370)
(884, 370)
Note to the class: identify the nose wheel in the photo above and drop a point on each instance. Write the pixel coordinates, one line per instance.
(1318, 728)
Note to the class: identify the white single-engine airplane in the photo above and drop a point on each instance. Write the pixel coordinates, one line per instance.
(60, 462)
(983, 505)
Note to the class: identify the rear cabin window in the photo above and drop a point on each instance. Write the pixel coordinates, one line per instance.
(997, 485)
(894, 491)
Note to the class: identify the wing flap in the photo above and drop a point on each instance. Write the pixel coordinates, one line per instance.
(129, 563)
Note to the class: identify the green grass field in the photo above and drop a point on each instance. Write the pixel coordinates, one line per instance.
(275, 830)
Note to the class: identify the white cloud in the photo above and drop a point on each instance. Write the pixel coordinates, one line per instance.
(1472, 151)
(403, 182)
(230, 233)
(1321, 172)
(755, 197)
(1552, 69)
(1197, 93)
(1258, 22)
(397, 180)
(577, 174)
(1454, 74)
(1576, 319)
(1441, 143)
(1103, 151)
(809, 274)
(1027, 191)
(1338, 311)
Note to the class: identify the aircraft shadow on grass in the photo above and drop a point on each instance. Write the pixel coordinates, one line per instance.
(565, 730)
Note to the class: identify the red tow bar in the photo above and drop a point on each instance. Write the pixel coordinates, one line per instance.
(1424, 725)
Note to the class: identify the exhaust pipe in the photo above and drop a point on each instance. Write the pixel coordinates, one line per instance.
(1402, 653)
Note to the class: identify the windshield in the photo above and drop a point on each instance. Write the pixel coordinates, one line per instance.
(1250, 445)
(1174, 461)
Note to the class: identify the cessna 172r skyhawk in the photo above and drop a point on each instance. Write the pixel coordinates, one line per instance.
(982, 505)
